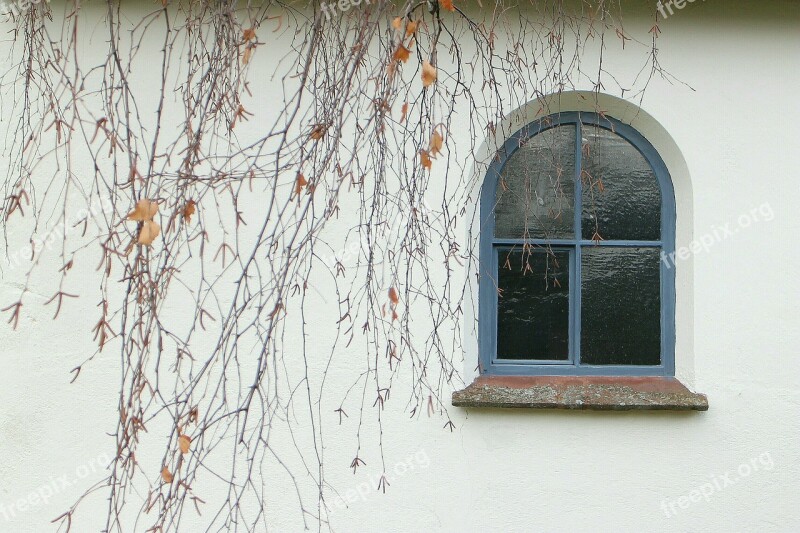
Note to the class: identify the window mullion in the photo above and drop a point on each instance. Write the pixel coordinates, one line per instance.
(576, 286)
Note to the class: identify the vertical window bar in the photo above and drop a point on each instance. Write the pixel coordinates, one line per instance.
(573, 305)
(496, 321)
(575, 289)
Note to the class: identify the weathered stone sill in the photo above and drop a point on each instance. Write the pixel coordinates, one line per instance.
(609, 393)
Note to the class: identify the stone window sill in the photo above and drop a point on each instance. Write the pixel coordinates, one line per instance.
(605, 393)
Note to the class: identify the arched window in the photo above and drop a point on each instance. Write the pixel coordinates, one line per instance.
(577, 232)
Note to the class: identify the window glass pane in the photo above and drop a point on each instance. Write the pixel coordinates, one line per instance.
(533, 305)
(621, 196)
(621, 306)
(536, 190)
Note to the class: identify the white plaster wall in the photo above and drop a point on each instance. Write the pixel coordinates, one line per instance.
(730, 139)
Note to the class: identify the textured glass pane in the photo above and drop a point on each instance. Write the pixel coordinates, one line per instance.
(621, 196)
(536, 190)
(621, 306)
(533, 305)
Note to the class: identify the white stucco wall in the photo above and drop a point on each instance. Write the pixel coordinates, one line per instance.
(729, 135)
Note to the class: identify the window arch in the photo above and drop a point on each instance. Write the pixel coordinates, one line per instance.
(577, 228)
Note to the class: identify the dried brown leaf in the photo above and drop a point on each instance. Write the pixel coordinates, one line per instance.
(401, 54)
(318, 132)
(428, 74)
(144, 210)
(150, 230)
(299, 183)
(184, 441)
(435, 144)
(403, 112)
(188, 210)
(425, 159)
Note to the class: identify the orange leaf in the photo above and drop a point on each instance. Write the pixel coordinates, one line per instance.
(299, 183)
(428, 74)
(447, 4)
(411, 27)
(189, 210)
(318, 132)
(249, 34)
(183, 443)
(149, 232)
(404, 112)
(144, 210)
(393, 296)
(436, 144)
(425, 159)
(397, 23)
(402, 53)
(166, 475)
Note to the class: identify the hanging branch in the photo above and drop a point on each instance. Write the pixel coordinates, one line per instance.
(243, 166)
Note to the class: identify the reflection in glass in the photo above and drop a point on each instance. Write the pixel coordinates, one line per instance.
(533, 305)
(536, 190)
(621, 194)
(621, 306)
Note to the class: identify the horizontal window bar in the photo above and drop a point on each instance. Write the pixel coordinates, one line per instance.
(571, 242)
(561, 362)
(519, 368)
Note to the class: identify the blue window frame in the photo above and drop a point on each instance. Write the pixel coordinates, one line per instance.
(577, 216)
